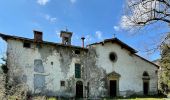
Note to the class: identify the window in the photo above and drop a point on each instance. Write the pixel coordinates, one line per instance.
(77, 71)
(38, 66)
(66, 40)
(145, 76)
(52, 63)
(77, 51)
(113, 56)
(27, 45)
(145, 73)
(39, 82)
(62, 83)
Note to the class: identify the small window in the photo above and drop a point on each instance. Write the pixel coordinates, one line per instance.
(77, 71)
(62, 83)
(113, 56)
(52, 63)
(77, 52)
(66, 40)
(27, 45)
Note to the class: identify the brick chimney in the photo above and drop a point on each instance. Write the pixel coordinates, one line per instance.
(38, 36)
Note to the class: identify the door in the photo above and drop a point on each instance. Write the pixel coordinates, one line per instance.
(145, 88)
(113, 88)
(79, 89)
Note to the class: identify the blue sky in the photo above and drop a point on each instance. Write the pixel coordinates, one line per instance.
(94, 19)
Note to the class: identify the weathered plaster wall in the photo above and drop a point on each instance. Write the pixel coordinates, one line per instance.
(129, 66)
(58, 64)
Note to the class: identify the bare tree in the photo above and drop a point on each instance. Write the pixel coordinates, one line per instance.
(140, 13)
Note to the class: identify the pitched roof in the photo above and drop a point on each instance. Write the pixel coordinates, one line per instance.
(116, 40)
(122, 44)
(147, 60)
(5, 37)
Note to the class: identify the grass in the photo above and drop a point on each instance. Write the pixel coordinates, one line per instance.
(52, 98)
(123, 99)
(147, 99)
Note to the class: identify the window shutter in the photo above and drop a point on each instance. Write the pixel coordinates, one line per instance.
(77, 71)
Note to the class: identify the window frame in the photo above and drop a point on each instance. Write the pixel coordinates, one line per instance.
(62, 83)
(26, 44)
(77, 52)
(77, 70)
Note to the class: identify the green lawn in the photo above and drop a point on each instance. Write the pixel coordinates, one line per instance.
(148, 99)
(142, 99)
(126, 99)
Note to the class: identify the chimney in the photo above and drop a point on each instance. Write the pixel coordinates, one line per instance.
(83, 41)
(66, 37)
(38, 36)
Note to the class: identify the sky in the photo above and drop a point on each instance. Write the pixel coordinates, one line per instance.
(96, 20)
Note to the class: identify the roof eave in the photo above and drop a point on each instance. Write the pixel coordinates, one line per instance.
(117, 41)
(5, 37)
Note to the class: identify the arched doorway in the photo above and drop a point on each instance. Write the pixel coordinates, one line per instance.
(146, 79)
(79, 89)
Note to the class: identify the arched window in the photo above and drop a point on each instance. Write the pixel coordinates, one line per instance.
(145, 73)
(146, 76)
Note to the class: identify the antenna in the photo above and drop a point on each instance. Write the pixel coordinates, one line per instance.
(114, 35)
(66, 29)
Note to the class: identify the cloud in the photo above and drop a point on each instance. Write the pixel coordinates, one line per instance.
(98, 34)
(116, 28)
(42, 2)
(73, 1)
(50, 19)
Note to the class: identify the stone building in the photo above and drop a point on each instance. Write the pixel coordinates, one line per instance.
(105, 69)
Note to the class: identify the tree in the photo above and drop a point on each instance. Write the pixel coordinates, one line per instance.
(140, 13)
(8, 90)
(165, 66)
(4, 66)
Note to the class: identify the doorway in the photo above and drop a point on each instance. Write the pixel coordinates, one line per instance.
(79, 89)
(113, 88)
(145, 88)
